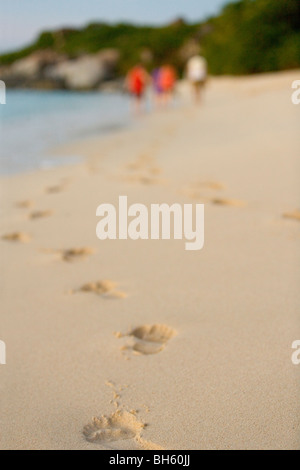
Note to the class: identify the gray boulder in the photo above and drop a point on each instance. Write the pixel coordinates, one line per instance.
(86, 72)
(29, 70)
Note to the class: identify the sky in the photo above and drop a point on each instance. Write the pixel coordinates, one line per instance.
(22, 20)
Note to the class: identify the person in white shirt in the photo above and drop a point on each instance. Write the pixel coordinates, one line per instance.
(196, 72)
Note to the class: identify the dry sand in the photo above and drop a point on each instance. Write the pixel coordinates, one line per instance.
(195, 351)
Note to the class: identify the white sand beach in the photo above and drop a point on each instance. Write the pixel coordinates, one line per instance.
(180, 349)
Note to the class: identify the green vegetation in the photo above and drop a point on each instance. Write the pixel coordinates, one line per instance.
(252, 36)
(249, 36)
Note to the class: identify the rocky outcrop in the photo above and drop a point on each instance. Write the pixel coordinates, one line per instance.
(86, 72)
(47, 69)
(29, 72)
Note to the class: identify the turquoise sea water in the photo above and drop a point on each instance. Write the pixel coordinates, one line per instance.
(33, 122)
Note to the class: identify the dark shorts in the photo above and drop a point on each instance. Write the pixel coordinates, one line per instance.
(138, 94)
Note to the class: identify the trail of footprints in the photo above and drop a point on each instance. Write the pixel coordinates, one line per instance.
(195, 191)
(23, 237)
(145, 171)
(199, 190)
(143, 340)
(123, 424)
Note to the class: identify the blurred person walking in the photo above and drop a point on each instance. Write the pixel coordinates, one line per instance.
(158, 92)
(167, 79)
(136, 83)
(196, 72)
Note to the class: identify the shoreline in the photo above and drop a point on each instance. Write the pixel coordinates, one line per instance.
(68, 149)
(55, 119)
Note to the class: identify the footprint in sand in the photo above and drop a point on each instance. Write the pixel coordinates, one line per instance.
(118, 426)
(17, 237)
(294, 215)
(72, 254)
(195, 190)
(214, 185)
(105, 288)
(54, 189)
(40, 214)
(143, 161)
(155, 171)
(149, 339)
(227, 202)
(25, 204)
(57, 188)
(144, 171)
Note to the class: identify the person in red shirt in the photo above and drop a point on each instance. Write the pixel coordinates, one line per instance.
(136, 81)
(167, 80)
